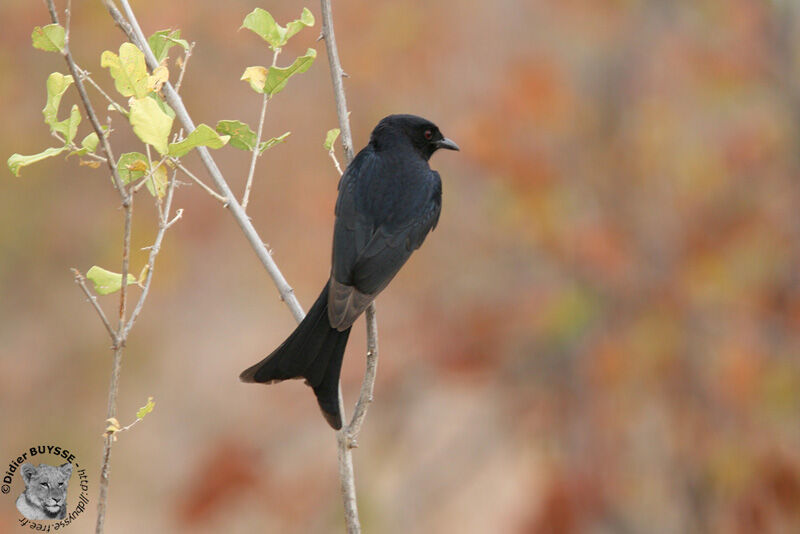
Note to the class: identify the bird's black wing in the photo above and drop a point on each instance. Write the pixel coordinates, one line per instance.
(384, 211)
(393, 242)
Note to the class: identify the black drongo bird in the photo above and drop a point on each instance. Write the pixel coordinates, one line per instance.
(389, 199)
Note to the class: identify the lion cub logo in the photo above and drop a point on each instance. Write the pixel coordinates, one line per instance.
(45, 495)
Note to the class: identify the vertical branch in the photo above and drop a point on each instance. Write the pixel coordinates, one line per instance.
(127, 204)
(336, 77)
(346, 437)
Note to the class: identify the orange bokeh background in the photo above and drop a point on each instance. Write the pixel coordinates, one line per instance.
(601, 335)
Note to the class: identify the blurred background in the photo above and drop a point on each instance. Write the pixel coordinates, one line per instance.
(601, 336)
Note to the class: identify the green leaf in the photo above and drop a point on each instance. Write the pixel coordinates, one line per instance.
(17, 161)
(106, 282)
(256, 77)
(157, 182)
(146, 409)
(277, 77)
(306, 20)
(202, 135)
(330, 138)
(161, 41)
(69, 127)
(262, 24)
(57, 84)
(90, 142)
(132, 166)
(128, 70)
(242, 137)
(266, 145)
(51, 38)
(150, 124)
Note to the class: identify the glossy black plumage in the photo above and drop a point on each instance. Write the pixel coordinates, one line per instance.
(389, 200)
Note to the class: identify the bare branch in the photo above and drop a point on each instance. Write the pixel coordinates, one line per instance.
(119, 20)
(347, 481)
(336, 77)
(126, 257)
(81, 281)
(368, 385)
(347, 436)
(163, 225)
(199, 182)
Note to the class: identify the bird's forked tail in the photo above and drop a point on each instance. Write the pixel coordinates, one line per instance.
(313, 351)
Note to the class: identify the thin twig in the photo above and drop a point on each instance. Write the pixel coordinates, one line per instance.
(368, 385)
(81, 281)
(246, 197)
(155, 248)
(126, 257)
(332, 154)
(256, 148)
(87, 76)
(186, 56)
(119, 20)
(134, 32)
(199, 182)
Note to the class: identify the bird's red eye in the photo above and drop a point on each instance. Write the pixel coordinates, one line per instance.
(428, 135)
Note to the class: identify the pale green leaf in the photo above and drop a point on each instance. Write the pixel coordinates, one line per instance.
(146, 409)
(262, 24)
(150, 123)
(69, 127)
(90, 142)
(242, 137)
(202, 135)
(272, 142)
(161, 41)
(306, 20)
(277, 76)
(106, 282)
(330, 138)
(50, 38)
(128, 70)
(132, 166)
(157, 182)
(256, 77)
(17, 161)
(57, 84)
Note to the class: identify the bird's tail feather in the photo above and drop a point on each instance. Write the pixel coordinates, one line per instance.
(314, 351)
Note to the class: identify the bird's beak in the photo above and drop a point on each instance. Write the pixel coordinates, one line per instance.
(447, 143)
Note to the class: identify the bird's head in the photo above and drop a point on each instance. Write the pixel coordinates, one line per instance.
(423, 135)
